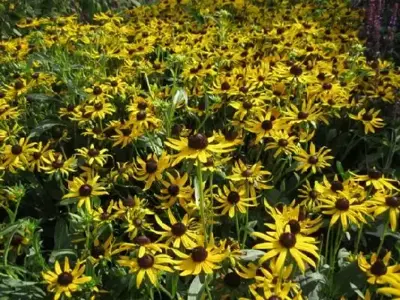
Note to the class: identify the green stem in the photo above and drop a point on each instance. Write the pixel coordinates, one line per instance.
(383, 235)
(165, 291)
(327, 243)
(237, 226)
(202, 200)
(246, 216)
(299, 183)
(358, 238)
(212, 201)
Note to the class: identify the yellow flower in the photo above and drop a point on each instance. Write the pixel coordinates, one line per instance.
(84, 190)
(65, 281)
(175, 189)
(314, 160)
(369, 119)
(149, 265)
(17, 156)
(151, 169)
(283, 242)
(343, 207)
(386, 201)
(233, 199)
(378, 269)
(93, 156)
(197, 146)
(180, 233)
(201, 259)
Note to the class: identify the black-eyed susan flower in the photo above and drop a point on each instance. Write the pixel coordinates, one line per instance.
(378, 269)
(309, 196)
(92, 155)
(308, 112)
(382, 202)
(343, 208)
(184, 232)
(295, 217)
(233, 200)
(263, 125)
(136, 221)
(40, 157)
(253, 175)
(84, 190)
(391, 291)
(151, 169)
(314, 160)
(197, 146)
(58, 165)
(282, 243)
(369, 119)
(200, 259)
(101, 250)
(18, 155)
(175, 189)
(376, 179)
(149, 265)
(282, 142)
(66, 281)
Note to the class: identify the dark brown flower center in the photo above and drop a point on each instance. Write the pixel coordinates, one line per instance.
(178, 229)
(367, 117)
(57, 164)
(142, 240)
(313, 159)
(37, 155)
(142, 105)
(97, 90)
(98, 106)
(336, 186)
(16, 239)
(283, 143)
(247, 105)
(294, 226)
(129, 201)
(151, 166)
(374, 174)
(18, 85)
(230, 134)
(247, 173)
(173, 189)
(70, 107)
(302, 115)
(233, 197)
(342, 204)
(232, 279)
(287, 239)
(225, 86)
(114, 83)
(65, 278)
(327, 86)
(197, 141)
(266, 125)
(313, 194)
(141, 115)
(85, 190)
(16, 149)
(97, 251)
(378, 268)
(199, 254)
(393, 201)
(146, 261)
(93, 152)
(296, 70)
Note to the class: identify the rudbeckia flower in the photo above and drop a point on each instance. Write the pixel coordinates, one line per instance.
(66, 281)
(369, 119)
(197, 146)
(314, 160)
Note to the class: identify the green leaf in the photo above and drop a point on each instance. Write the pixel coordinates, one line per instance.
(44, 126)
(62, 252)
(61, 235)
(251, 254)
(194, 288)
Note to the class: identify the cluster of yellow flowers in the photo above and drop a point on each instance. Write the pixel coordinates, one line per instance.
(168, 128)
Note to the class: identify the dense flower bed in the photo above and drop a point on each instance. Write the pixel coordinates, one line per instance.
(212, 149)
